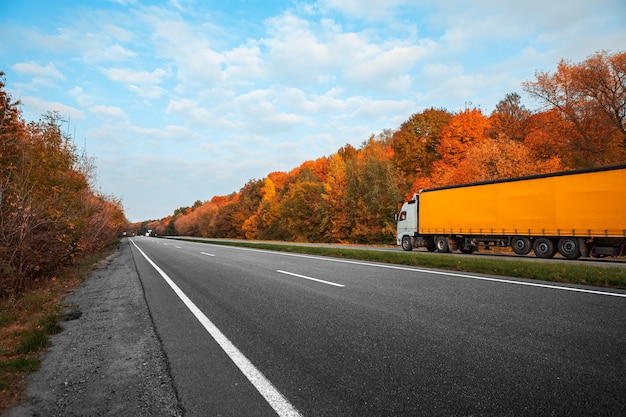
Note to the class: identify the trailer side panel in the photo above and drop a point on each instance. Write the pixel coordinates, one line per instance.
(587, 204)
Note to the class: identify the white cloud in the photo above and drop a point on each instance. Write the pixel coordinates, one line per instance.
(38, 106)
(142, 83)
(110, 53)
(109, 112)
(386, 67)
(243, 63)
(373, 10)
(35, 69)
(129, 76)
(79, 95)
(329, 101)
(260, 115)
(168, 132)
(118, 33)
(149, 91)
(193, 112)
(188, 48)
(296, 55)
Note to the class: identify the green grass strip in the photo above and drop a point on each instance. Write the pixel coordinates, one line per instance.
(564, 271)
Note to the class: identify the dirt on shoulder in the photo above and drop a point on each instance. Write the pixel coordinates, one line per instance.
(108, 359)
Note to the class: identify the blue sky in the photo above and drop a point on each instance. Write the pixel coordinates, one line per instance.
(182, 100)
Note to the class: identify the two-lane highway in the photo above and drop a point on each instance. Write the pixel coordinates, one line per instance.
(256, 333)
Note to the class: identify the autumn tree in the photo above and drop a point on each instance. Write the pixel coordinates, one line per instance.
(199, 220)
(602, 77)
(500, 159)
(347, 152)
(224, 222)
(591, 97)
(509, 119)
(49, 214)
(466, 129)
(104, 219)
(301, 208)
(335, 200)
(265, 222)
(372, 192)
(548, 137)
(415, 143)
(186, 224)
(208, 213)
(231, 217)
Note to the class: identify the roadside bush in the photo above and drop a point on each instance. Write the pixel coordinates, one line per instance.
(49, 212)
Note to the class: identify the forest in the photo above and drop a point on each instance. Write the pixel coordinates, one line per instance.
(352, 195)
(50, 213)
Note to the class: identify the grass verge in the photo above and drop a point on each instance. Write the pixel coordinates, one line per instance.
(26, 322)
(564, 272)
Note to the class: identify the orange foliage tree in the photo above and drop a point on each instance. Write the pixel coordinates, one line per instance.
(335, 200)
(591, 98)
(301, 207)
(415, 144)
(373, 191)
(510, 118)
(500, 159)
(49, 213)
(264, 223)
(466, 129)
(548, 137)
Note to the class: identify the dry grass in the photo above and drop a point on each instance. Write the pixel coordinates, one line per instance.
(27, 321)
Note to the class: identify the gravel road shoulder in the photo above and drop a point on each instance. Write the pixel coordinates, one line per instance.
(109, 360)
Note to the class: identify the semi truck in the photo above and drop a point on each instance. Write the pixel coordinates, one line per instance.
(579, 213)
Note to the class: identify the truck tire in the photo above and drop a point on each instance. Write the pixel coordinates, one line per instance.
(441, 243)
(521, 245)
(544, 248)
(406, 243)
(569, 248)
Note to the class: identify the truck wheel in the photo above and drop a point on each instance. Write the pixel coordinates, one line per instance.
(521, 245)
(569, 248)
(544, 248)
(441, 243)
(406, 243)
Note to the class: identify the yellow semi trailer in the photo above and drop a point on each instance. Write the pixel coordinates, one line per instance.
(577, 213)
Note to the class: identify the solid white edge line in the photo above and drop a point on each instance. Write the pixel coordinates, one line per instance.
(310, 278)
(435, 272)
(276, 400)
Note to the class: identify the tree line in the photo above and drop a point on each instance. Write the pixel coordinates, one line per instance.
(50, 214)
(351, 195)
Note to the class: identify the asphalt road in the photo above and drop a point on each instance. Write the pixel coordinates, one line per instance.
(327, 337)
